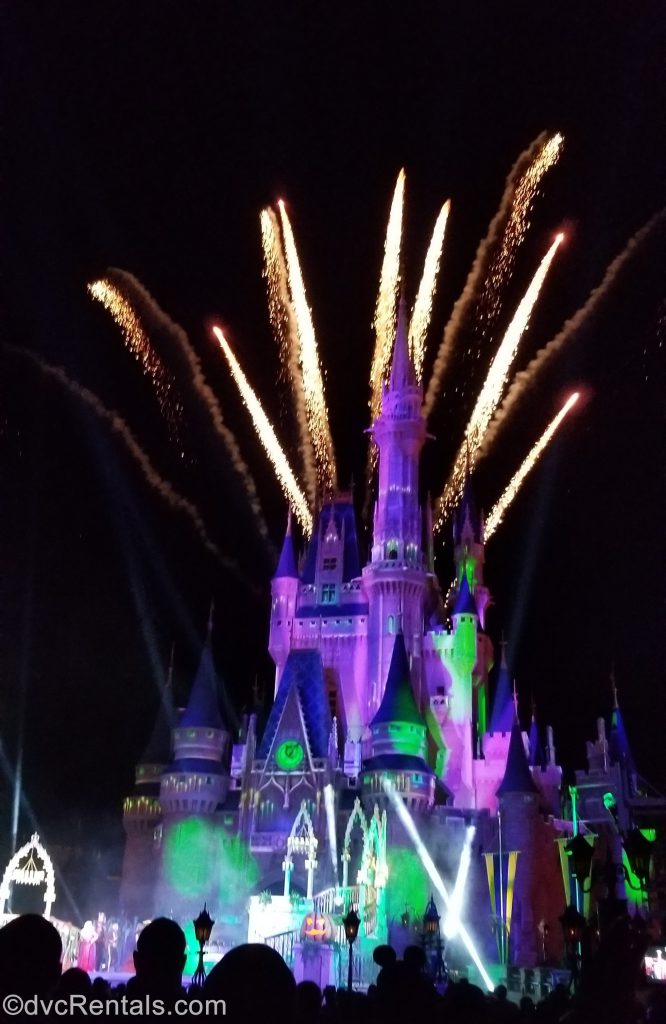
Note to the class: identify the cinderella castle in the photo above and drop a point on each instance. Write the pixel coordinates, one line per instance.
(381, 683)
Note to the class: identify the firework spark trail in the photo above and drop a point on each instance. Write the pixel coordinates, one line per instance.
(499, 509)
(266, 434)
(387, 298)
(511, 222)
(491, 392)
(418, 327)
(123, 431)
(527, 377)
(158, 319)
(139, 344)
(285, 328)
(313, 382)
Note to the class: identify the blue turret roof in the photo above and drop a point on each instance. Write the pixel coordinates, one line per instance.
(503, 712)
(517, 775)
(342, 510)
(202, 709)
(398, 703)
(465, 603)
(304, 673)
(286, 566)
(618, 742)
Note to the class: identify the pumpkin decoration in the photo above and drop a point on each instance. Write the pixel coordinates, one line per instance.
(317, 928)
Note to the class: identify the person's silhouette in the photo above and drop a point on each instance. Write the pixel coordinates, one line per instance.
(159, 959)
(255, 983)
(30, 954)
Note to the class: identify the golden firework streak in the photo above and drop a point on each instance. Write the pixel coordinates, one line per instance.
(493, 388)
(266, 435)
(499, 509)
(493, 262)
(313, 382)
(387, 298)
(285, 329)
(420, 322)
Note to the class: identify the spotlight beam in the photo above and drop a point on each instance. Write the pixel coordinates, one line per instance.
(434, 875)
(452, 920)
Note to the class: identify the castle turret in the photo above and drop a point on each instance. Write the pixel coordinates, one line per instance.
(469, 546)
(197, 779)
(395, 578)
(398, 738)
(284, 593)
(518, 797)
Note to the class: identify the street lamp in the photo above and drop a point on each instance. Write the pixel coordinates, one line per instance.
(203, 926)
(581, 853)
(573, 926)
(432, 938)
(351, 925)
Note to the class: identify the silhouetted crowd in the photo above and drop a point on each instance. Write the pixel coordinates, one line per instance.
(253, 984)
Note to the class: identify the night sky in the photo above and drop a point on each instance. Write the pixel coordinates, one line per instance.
(148, 137)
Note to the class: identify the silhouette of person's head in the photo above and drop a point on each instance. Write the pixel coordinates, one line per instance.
(255, 983)
(384, 956)
(75, 981)
(414, 958)
(30, 954)
(308, 1001)
(159, 957)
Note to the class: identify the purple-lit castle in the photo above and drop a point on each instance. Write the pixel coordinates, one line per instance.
(378, 681)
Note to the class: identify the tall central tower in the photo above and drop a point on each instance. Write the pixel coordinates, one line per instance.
(395, 578)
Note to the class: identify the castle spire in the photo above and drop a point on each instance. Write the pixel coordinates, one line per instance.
(202, 709)
(286, 566)
(503, 712)
(517, 775)
(398, 703)
(402, 369)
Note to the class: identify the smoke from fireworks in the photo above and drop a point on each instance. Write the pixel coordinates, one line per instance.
(510, 223)
(493, 388)
(124, 433)
(387, 297)
(157, 319)
(526, 378)
(498, 511)
(420, 322)
(283, 322)
(313, 383)
(266, 435)
(138, 342)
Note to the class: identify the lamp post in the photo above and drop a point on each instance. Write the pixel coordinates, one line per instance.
(203, 926)
(351, 925)
(573, 926)
(432, 938)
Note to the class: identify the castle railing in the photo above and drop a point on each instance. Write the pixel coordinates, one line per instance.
(283, 943)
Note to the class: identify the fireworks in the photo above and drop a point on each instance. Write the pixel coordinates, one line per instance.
(499, 509)
(313, 383)
(493, 388)
(139, 345)
(524, 380)
(121, 429)
(510, 223)
(283, 322)
(418, 327)
(503, 262)
(268, 439)
(385, 310)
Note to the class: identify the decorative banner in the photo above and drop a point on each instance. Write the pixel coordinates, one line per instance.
(501, 871)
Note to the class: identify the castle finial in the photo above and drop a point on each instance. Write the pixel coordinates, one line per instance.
(503, 645)
(515, 699)
(402, 371)
(169, 679)
(614, 687)
(211, 612)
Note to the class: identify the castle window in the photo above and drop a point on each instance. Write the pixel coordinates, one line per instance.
(328, 593)
(329, 564)
(391, 625)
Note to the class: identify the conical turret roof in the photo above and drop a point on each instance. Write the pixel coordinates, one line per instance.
(465, 603)
(402, 370)
(286, 567)
(202, 709)
(517, 775)
(503, 711)
(398, 703)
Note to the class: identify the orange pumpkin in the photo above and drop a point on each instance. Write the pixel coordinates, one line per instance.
(317, 928)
